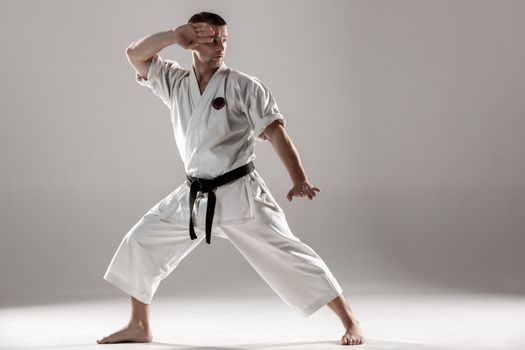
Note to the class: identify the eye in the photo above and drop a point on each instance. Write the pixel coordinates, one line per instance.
(216, 40)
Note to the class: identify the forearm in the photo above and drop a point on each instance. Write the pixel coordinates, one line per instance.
(288, 154)
(149, 45)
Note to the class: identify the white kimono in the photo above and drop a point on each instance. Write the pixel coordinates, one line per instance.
(211, 142)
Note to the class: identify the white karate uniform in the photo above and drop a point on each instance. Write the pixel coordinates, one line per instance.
(211, 142)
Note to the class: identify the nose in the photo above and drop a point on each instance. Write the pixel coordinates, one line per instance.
(221, 45)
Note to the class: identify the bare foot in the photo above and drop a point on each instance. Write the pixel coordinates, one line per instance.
(133, 332)
(353, 336)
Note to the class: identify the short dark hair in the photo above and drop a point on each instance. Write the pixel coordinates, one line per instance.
(208, 17)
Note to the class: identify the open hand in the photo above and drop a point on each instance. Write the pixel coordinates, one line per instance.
(301, 190)
(190, 35)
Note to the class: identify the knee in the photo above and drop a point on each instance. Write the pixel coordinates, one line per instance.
(141, 232)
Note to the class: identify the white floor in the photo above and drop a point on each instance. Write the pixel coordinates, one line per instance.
(391, 321)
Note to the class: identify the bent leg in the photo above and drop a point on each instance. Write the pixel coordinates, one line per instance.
(289, 266)
(148, 253)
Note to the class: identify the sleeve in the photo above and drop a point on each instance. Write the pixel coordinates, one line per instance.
(162, 78)
(261, 109)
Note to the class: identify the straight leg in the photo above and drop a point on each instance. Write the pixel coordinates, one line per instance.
(291, 268)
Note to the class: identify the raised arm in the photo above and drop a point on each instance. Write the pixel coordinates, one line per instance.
(285, 149)
(188, 36)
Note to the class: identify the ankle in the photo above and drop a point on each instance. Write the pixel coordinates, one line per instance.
(350, 322)
(144, 324)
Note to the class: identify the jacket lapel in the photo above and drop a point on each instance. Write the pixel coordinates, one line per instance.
(200, 102)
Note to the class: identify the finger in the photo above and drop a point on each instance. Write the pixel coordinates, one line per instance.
(205, 36)
(199, 24)
(205, 27)
(205, 30)
(204, 40)
(316, 189)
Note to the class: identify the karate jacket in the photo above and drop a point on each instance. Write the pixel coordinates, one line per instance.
(212, 141)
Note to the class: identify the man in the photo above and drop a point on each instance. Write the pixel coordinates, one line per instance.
(217, 114)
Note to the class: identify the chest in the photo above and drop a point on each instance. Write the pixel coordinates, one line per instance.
(216, 113)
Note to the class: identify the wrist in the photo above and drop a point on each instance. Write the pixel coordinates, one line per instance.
(299, 180)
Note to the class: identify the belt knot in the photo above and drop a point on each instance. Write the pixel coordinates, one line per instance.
(207, 186)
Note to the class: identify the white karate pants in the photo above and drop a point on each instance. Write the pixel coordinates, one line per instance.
(153, 248)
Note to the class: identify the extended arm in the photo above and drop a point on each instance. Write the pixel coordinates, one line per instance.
(285, 149)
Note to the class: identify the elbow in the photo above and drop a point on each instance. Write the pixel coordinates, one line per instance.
(129, 51)
(132, 55)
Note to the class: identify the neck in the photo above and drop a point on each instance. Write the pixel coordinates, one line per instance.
(203, 72)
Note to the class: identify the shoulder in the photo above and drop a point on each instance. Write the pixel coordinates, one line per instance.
(245, 83)
(172, 67)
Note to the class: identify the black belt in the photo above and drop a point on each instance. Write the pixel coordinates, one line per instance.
(207, 186)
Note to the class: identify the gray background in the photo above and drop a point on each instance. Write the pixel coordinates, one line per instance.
(409, 115)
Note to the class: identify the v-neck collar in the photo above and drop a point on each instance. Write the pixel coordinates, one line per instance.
(195, 91)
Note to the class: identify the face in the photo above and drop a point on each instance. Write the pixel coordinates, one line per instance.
(212, 54)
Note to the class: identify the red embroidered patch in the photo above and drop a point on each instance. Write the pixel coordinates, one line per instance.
(218, 103)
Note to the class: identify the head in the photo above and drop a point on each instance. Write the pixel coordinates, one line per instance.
(207, 53)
